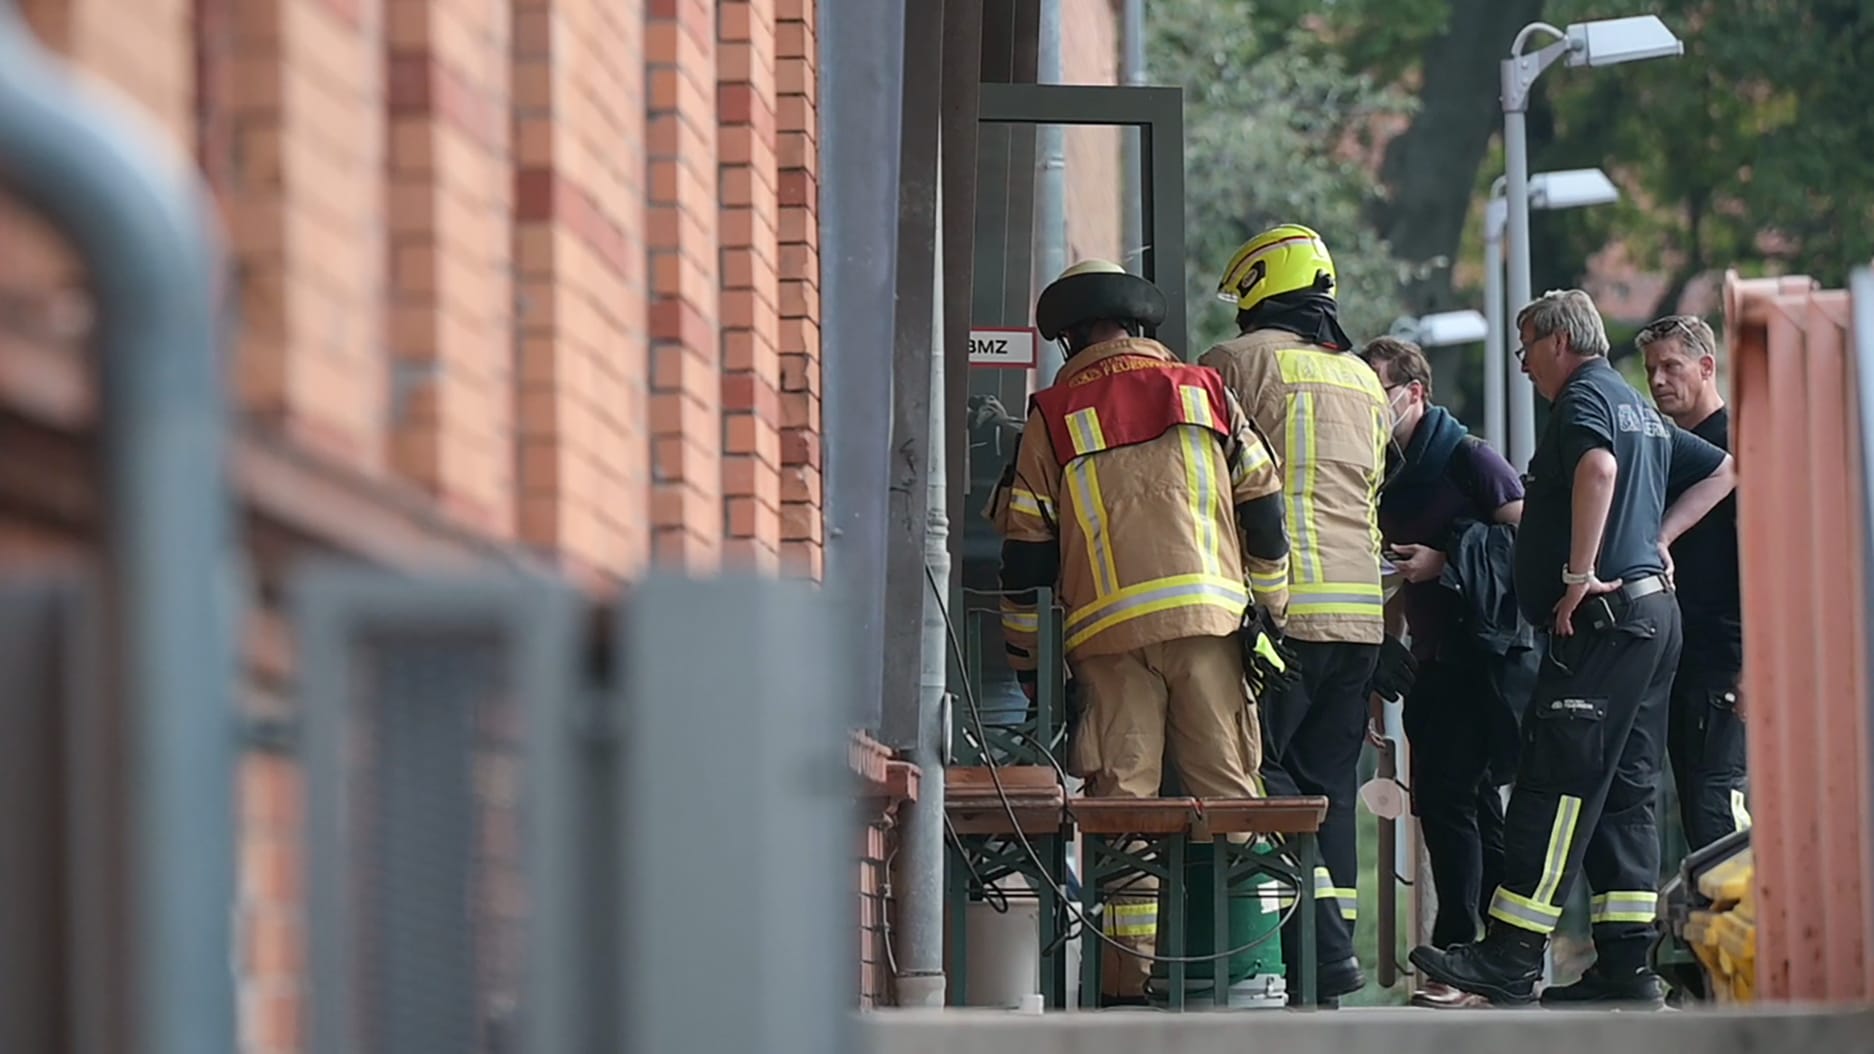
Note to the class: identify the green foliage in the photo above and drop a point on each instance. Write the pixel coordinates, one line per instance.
(1274, 130)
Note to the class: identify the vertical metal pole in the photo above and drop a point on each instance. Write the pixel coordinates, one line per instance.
(861, 115)
(136, 221)
(1051, 190)
(1861, 290)
(1132, 160)
(1522, 394)
(1496, 349)
(920, 929)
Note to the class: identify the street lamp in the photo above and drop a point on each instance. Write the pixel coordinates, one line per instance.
(1442, 329)
(1571, 188)
(1606, 42)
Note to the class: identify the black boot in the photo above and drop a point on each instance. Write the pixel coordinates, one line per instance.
(1334, 980)
(1503, 967)
(1618, 988)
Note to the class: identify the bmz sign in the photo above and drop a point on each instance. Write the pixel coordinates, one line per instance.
(1008, 349)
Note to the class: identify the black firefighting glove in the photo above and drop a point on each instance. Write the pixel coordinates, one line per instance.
(1396, 670)
(1268, 663)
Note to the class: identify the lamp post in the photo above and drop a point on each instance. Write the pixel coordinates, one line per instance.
(1605, 42)
(1565, 189)
(1442, 329)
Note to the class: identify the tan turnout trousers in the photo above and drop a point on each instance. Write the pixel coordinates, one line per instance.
(1183, 698)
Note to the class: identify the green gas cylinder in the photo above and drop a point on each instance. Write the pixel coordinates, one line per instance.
(1254, 976)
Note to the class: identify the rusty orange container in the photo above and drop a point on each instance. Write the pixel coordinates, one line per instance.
(1797, 434)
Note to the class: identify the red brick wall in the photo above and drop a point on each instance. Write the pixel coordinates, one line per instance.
(798, 159)
(681, 135)
(545, 269)
(751, 322)
(451, 276)
(580, 220)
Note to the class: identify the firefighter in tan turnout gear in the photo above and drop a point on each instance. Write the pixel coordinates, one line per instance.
(1141, 490)
(1293, 370)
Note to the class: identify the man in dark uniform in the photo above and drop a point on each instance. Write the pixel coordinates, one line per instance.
(1592, 563)
(1706, 737)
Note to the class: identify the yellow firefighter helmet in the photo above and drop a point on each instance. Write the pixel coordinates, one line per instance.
(1097, 290)
(1280, 260)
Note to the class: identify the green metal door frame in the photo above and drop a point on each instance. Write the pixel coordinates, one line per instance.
(1158, 114)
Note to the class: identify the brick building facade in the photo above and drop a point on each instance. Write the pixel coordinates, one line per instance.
(531, 276)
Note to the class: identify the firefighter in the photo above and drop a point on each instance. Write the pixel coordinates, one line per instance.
(1293, 370)
(1142, 490)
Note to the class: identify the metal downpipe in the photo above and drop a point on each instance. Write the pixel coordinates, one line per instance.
(1050, 185)
(921, 980)
(1132, 158)
(136, 217)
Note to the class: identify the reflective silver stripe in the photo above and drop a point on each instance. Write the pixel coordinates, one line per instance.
(1203, 494)
(1639, 905)
(1178, 592)
(1305, 561)
(1523, 913)
(1030, 503)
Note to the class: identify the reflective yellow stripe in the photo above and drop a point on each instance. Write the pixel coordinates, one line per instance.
(1274, 579)
(1740, 816)
(1302, 533)
(1201, 484)
(1524, 913)
(1083, 426)
(1196, 406)
(1336, 598)
(1090, 510)
(1132, 918)
(1251, 457)
(1148, 598)
(1638, 905)
(1336, 370)
(1021, 622)
(1028, 503)
(1561, 838)
(1325, 889)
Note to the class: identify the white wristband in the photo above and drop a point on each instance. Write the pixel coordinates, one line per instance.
(1570, 578)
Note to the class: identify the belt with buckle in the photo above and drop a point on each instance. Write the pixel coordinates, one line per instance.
(1643, 587)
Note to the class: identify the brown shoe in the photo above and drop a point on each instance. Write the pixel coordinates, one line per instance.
(1444, 997)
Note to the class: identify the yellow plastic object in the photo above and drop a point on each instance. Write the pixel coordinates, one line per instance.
(1724, 937)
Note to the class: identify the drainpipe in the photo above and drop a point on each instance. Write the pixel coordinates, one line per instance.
(920, 950)
(1132, 158)
(139, 224)
(1051, 185)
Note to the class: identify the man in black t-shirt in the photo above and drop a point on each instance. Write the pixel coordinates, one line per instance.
(1591, 564)
(1706, 738)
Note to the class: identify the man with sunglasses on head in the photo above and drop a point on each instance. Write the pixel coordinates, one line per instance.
(1593, 563)
(1706, 738)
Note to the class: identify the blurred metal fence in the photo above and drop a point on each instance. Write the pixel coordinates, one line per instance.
(511, 856)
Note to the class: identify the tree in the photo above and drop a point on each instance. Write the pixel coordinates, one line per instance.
(1274, 130)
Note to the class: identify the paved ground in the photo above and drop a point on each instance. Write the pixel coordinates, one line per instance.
(1375, 1031)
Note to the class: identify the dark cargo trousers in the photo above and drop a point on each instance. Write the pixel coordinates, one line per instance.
(1706, 744)
(1463, 738)
(1311, 743)
(1593, 740)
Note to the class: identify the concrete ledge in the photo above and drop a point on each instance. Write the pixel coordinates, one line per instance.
(1783, 1030)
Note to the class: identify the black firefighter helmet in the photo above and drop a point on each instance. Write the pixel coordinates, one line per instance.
(1097, 291)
